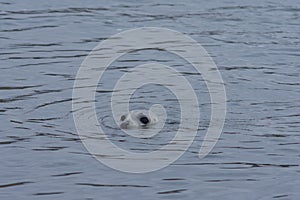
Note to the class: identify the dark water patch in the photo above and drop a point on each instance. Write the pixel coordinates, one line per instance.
(248, 43)
(47, 193)
(55, 135)
(6, 3)
(53, 102)
(63, 10)
(20, 127)
(42, 120)
(274, 154)
(45, 57)
(15, 184)
(40, 64)
(67, 76)
(250, 141)
(280, 196)
(245, 164)
(16, 122)
(46, 91)
(112, 185)
(271, 103)
(7, 142)
(229, 180)
(126, 6)
(240, 147)
(36, 45)
(66, 174)
(239, 68)
(32, 95)
(173, 179)
(18, 87)
(284, 116)
(84, 41)
(18, 138)
(105, 91)
(67, 15)
(67, 132)
(49, 148)
(285, 8)
(286, 83)
(172, 191)
(289, 143)
(47, 134)
(28, 28)
(164, 4)
(239, 7)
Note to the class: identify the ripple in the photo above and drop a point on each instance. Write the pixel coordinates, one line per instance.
(112, 185)
(245, 164)
(172, 191)
(67, 174)
(49, 148)
(15, 184)
(280, 196)
(47, 193)
(28, 28)
(53, 102)
(229, 180)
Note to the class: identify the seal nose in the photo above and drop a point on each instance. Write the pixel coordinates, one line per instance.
(144, 120)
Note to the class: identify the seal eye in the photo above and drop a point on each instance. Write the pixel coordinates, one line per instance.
(144, 120)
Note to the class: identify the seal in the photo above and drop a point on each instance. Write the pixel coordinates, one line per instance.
(138, 119)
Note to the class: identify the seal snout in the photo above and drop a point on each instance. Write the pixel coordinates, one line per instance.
(138, 118)
(144, 120)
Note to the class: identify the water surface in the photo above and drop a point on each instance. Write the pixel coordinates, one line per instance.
(256, 47)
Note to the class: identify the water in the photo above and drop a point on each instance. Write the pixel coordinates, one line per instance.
(256, 47)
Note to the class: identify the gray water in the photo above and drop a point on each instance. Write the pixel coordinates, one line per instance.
(255, 45)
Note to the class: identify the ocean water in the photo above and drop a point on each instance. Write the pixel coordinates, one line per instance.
(255, 45)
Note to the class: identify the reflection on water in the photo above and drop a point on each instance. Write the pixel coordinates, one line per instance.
(255, 45)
